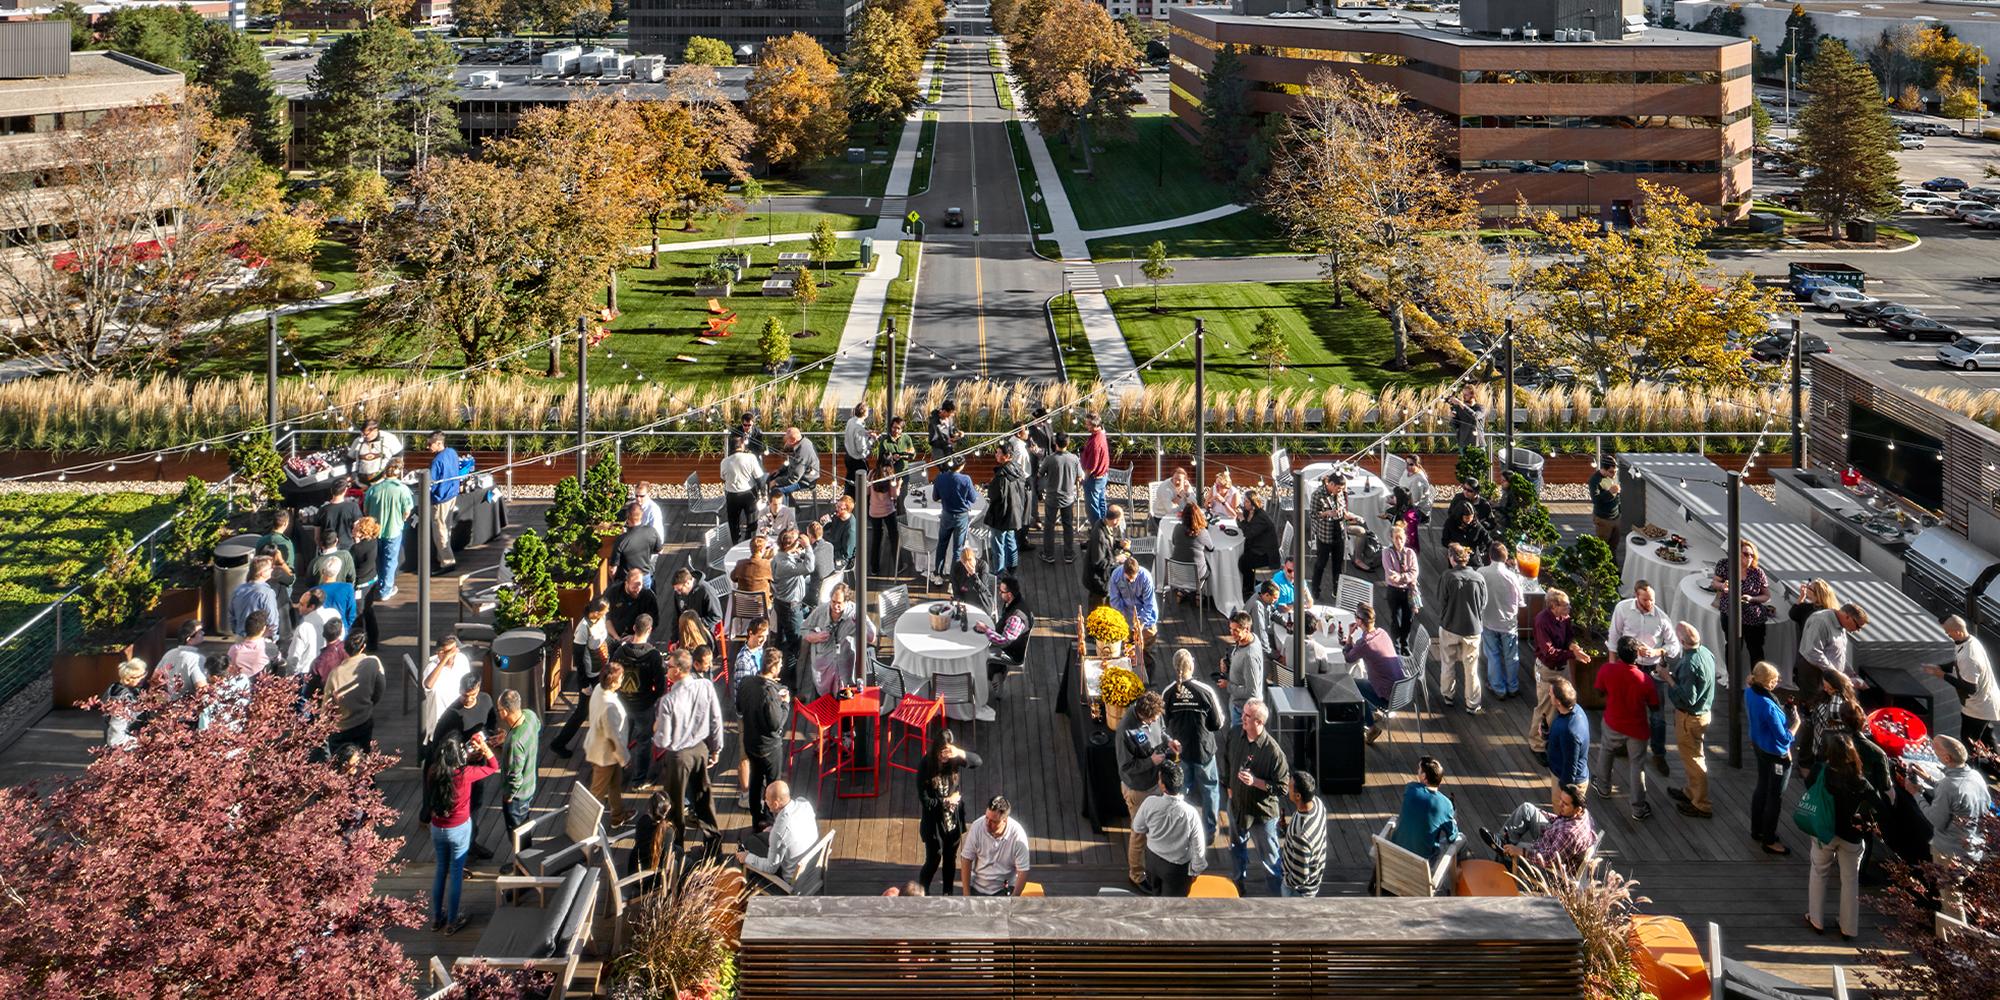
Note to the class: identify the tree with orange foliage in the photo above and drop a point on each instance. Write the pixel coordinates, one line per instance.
(1078, 70)
(796, 102)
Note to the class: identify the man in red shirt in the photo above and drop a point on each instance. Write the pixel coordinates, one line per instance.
(1628, 696)
(1096, 465)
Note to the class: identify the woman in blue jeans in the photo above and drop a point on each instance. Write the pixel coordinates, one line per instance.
(448, 778)
(1772, 727)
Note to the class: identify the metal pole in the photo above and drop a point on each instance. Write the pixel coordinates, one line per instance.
(1798, 397)
(426, 513)
(888, 388)
(861, 582)
(1733, 659)
(510, 465)
(1507, 408)
(582, 398)
(1298, 653)
(271, 374)
(1201, 404)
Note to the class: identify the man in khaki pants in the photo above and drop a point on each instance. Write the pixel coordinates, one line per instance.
(1461, 610)
(1556, 657)
(1691, 688)
(1143, 747)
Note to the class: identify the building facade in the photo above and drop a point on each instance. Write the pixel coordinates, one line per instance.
(45, 89)
(663, 27)
(1570, 126)
(1863, 26)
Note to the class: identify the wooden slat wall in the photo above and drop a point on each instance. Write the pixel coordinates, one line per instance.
(1970, 446)
(1057, 948)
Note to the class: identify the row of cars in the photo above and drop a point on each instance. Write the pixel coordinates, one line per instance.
(1978, 207)
(1894, 319)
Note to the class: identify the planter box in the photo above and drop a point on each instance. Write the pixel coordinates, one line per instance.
(77, 676)
(718, 291)
(1587, 695)
(178, 604)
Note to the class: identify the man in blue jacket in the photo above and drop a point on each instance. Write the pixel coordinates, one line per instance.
(1569, 737)
(444, 497)
(956, 495)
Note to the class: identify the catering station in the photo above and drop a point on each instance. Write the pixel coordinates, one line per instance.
(1687, 495)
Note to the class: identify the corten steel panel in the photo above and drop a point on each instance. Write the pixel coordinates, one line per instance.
(1969, 445)
(1590, 99)
(1600, 189)
(1589, 144)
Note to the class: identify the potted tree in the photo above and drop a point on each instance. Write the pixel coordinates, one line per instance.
(604, 499)
(191, 536)
(532, 599)
(260, 469)
(1586, 570)
(573, 548)
(114, 610)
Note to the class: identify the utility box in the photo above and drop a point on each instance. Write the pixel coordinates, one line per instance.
(867, 252)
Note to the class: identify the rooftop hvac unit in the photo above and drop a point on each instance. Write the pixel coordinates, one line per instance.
(486, 79)
(1531, 34)
(1586, 35)
(1507, 33)
(650, 68)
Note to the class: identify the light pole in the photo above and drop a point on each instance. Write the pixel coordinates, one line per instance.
(1200, 403)
(1791, 50)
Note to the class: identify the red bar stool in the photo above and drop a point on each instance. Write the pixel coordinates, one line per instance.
(816, 726)
(913, 715)
(857, 719)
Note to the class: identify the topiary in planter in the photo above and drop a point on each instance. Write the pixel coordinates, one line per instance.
(259, 468)
(604, 494)
(1586, 570)
(530, 601)
(1524, 518)
(1474, 463)
(191, 535)
(117, 597)
(572, 538)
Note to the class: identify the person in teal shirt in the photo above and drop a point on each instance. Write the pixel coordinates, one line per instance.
(1692, 691)
(1427, 821)
(389, 502)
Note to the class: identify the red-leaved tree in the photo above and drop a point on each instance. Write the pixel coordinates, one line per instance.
(216, 862)
(1964, 963)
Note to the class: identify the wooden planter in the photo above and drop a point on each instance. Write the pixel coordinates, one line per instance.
(81, 675)
(604, 546)
(178, 604)
(718, 291)
(1586, 680)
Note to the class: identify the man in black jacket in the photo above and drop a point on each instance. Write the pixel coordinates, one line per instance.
(1104, 550)
(1260, 542)
(1194, 716)
(763, 704)
(1007, 510)
(1255, 767)
(689, 595)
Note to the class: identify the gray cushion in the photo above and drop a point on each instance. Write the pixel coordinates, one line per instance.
(556, 909)
(579, 908)
(1741, 982)
(514, 932)
(541, 859)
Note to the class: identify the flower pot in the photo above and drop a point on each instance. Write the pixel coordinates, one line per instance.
(1587, 694)
(570, 602)
(1114, 715)
(1110, 649)
(604, 546)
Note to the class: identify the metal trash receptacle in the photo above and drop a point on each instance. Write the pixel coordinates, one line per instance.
(520, 663)
(231, 565)
(1528, 463)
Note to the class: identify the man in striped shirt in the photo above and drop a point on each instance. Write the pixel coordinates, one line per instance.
(1305, 837)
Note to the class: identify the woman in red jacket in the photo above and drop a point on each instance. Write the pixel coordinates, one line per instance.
(454, 766)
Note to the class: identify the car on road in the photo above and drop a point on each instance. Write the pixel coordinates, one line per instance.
(1874, 313)
(1779, 347)
(1945, 184)
(1911, 142)
(1839, 298)
(1988, 219)
(1971, 353)
(1914, 328)
(954, 217)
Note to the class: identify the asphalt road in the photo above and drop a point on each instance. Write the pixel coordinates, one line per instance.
(979, 309)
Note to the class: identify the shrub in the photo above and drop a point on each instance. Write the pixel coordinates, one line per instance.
(604, 495)
(714, 275)
(1600, 902)
(1524, 518)
(684, 938)
(774, 345)
(1585, 569)
(531, 601)
(114, 599)
(1920, 963)
(1475, 464)
(259, 468)
(572, 540)
(196, 527)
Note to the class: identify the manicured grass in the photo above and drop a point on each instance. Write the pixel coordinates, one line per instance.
(333, 262)
(1800, 224)
(835, 177)
(1348, 346)
(754, 224)
(1244, 234)
(1079, 363)
(1001, 90)
(902, 298)
(1156, 174)
(993, 56)
(1024, 172)
(920, 172)
(937, 81)
(48, 539)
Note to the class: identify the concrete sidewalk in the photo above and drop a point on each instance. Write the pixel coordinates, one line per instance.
(1220, 211)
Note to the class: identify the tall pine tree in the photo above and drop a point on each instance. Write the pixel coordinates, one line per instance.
(1846, 139)
(1228, 126)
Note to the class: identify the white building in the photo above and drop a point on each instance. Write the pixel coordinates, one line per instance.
(1862, 24)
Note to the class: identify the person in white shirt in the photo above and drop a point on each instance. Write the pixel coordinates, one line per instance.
(855, 442)
(1641, 617)
(444, 679)
(374, 450)
(1500, 623)
(649, 509)
(742, 474)
(183, 670)
(1175, 837)
(309, 635)
(605, 747)
(993, 861)
(794, 831)
(1971, 674)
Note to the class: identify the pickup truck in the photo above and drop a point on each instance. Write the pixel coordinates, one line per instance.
(1807, 278)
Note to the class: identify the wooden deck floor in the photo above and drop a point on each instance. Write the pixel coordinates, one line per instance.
(1700, 871)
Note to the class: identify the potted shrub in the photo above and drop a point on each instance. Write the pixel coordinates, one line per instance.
(1586, 570)
(573, 547)
(114, 610)
(713, 280)
(184, 554)
(259, 469)
(680, 941)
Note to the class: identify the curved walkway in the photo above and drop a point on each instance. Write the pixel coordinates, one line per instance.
(1209, 215)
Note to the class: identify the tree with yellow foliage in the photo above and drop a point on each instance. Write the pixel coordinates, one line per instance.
(1078, 71)
(1643, 303)
(796, 101)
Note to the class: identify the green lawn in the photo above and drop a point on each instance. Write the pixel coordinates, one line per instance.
(333, 262)
(1002, 91)
(1154, 175)
(1079, 363)
(901, 300)
(1347, 346)
(753, 223)
(1024, 172)
(1801, 224)
(993, 56)
(47, 539)
(920, 172)
(1244, 234)
(835, 177)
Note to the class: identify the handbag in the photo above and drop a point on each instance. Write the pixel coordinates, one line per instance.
(1814, 814)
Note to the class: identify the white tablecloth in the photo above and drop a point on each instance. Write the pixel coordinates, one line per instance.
(1689, 602)
(1225, 581)
(923, 653)
(1367, 496)
(929, 516)
(1324, 645)
(1643, 562)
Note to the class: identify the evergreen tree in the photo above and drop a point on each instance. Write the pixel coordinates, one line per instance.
(229, 64)
(1801, 37)
(1847, 139)
(80, 35)
(1227, 123)
(354, 90)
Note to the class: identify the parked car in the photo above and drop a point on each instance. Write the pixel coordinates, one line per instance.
(1911, 142)
(1971, 353)
(1961, 209)
(1569, 166)
(1779, 347)
(1914, 328)
(1945, 184)
(1838, 298)
(1989, 195)
(1934, 128)
(1874, 313)
(1988, 219)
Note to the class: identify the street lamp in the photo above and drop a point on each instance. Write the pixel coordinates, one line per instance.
(1791, 51)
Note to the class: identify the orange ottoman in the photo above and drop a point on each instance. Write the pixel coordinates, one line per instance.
(1480, 877)
(1670, 965)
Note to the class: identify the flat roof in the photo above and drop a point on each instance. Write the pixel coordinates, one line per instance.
(1969, 10)
(1444, 27)
(95, 80)
(517, 83)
